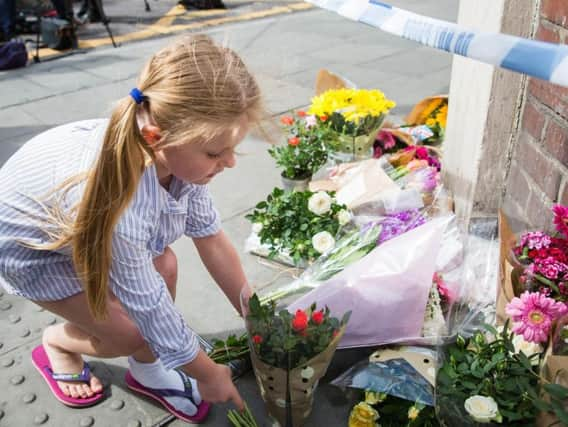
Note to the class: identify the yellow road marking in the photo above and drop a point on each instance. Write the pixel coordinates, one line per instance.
(164, 25)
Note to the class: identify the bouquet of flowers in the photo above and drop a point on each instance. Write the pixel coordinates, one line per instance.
(302, 225)
(427, 121)
(350, 248)
(354, 115)
(391, 411)
(290, 353)
(304, 151)
(545, 258)
(493, 378)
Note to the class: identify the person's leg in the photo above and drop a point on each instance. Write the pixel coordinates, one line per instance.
(7, 18)
(115, 336)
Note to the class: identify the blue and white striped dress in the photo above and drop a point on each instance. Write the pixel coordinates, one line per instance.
(154, 219)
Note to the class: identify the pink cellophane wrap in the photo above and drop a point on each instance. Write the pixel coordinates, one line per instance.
(386, 291)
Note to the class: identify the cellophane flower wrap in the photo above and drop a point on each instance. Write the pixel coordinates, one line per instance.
(290, 352)
(354, 115)
(394, 278)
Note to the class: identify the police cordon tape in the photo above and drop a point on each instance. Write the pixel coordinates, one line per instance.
(546, 61)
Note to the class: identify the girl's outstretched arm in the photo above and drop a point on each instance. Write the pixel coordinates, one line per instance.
(223, 263)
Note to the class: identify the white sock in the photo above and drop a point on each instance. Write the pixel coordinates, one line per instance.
(154, 375)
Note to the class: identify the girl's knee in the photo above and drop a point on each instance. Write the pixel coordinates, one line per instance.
(166, 264)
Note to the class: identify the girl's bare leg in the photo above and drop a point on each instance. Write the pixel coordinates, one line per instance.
(115, 336)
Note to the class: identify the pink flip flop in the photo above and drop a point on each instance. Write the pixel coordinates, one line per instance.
(159, 394)
(42, 364)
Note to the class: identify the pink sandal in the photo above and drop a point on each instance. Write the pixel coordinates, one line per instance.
(42, 364)
(159, 394)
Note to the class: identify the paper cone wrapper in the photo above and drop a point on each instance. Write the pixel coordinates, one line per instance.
(303, 382)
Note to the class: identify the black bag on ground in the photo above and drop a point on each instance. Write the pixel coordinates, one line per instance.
(13, 55)
(58, 34)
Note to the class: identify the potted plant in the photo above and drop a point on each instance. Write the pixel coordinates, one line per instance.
(290, 353)
(354, 117)
(303, 153)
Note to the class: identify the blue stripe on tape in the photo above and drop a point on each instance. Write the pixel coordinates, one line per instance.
(539, 61)
(378, 3)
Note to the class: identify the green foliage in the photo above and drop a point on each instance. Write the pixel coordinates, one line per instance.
(490, 367)
(304, 151)
(288, 225)
(232, 348)
(283, 346)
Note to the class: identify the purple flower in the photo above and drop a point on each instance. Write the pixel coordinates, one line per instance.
(535, 240)
(401, 222)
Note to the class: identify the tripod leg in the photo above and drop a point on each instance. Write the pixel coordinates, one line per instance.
(104, 19)
(146, 6)
(36, 56)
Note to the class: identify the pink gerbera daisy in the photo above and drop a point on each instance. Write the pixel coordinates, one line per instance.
(561, 219)
(533, 314)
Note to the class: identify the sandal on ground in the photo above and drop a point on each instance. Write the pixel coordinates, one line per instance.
(160, 394)
(42, 364)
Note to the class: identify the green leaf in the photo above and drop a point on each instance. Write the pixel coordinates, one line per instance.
(557, 391)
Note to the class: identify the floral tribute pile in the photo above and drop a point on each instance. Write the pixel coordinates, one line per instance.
(514, 375)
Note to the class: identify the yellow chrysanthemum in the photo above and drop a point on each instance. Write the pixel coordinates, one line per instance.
(353, 104)
(363, 415)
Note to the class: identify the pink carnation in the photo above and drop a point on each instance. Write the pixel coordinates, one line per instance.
(387, 139)
(535, 240)
(532, 314)
(550, 268)
(561, 219)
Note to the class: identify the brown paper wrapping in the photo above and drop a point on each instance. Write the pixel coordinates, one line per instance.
(508, 269)
(326, 80)
(303, 382)
(415, 117)
(555, 370)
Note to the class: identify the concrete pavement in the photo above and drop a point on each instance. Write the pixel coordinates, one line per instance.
(285, 52)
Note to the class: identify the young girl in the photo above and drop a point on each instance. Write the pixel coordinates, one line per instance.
(88, 211)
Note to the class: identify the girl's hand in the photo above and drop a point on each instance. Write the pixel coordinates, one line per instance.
(219, 387)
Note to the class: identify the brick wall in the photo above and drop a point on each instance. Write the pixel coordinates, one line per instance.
(538, 175)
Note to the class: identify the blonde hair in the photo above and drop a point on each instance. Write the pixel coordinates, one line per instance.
(195, 90)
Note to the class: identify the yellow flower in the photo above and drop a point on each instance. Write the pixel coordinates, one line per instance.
(353, 104)
(413, 413)
(373, 397)
(363, 415)
(428, 110)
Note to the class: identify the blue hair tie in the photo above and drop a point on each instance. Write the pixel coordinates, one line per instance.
(137, 95)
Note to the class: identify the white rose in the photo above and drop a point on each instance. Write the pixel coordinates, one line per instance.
(323, 242)
(257, 227)
(343, 217)
(528, 348)
(482, 409)
(319, 203)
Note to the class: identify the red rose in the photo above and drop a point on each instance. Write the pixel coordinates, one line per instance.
(294, 141)
(301, 113)
(317, 317)
(300, 321)
(287, 120)
(257, 339)
(323, 118)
